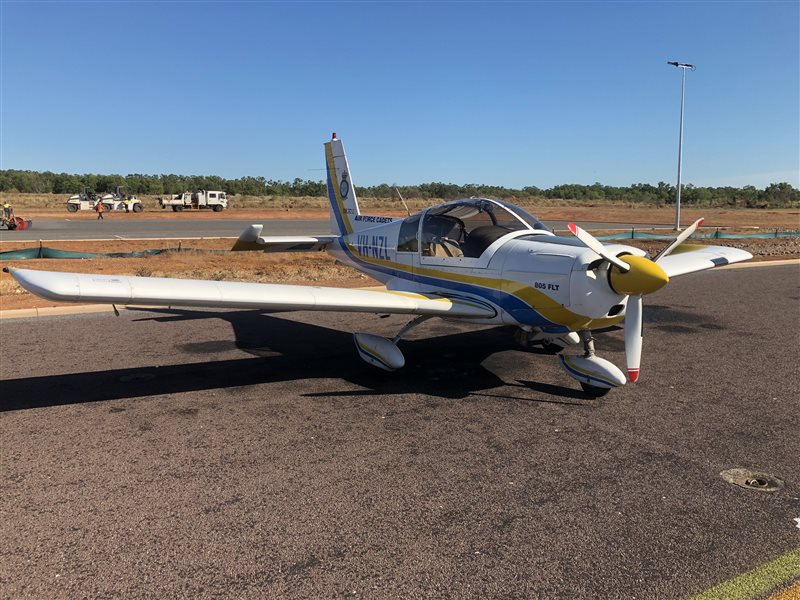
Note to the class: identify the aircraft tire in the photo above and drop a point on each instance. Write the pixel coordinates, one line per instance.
(594, 391)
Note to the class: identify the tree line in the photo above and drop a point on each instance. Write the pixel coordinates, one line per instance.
(774, 195)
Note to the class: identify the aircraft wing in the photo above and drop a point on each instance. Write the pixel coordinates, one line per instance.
(688, 258)
(251, 239)
(121, 289)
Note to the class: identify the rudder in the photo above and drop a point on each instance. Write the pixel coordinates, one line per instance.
(341, 191)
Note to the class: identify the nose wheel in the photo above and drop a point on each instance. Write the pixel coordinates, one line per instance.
(588, 352)
(596, 375)
(594, 391)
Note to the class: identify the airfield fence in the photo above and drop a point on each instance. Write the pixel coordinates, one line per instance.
(716, 235)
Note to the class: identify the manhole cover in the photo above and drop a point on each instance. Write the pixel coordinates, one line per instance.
(752, 480)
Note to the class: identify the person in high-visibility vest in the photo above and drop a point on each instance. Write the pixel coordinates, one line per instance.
(99, 208)
(8, 212)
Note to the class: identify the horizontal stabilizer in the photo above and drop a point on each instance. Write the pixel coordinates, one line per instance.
(122, 289)
(689, 258)
(251, 239)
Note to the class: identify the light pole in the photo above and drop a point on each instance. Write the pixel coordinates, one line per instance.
(682, 67)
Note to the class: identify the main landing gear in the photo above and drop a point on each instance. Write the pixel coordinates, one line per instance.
(382, 352)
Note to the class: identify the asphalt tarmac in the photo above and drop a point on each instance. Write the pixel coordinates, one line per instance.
(185, 453)
(123, 226)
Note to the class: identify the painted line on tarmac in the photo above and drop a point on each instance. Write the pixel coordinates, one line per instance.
(763, 579)
(50, 311)
(790, 593)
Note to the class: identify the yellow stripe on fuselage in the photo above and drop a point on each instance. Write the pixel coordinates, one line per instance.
(539, 301)
(335, 185)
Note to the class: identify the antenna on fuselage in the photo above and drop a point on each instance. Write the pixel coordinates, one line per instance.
(408, 212)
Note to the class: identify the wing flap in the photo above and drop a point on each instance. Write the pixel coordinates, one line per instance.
(689, 258)
(122, 289)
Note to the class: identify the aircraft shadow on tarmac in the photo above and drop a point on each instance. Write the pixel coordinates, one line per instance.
(445, 365)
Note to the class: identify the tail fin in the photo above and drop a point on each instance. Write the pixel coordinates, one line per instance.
(341, 191)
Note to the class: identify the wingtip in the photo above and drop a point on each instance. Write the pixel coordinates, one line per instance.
(573, 228)
(251, 233)
(633, 375)
(249, 239)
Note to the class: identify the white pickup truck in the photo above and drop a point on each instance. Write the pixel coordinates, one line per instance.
(215, 200)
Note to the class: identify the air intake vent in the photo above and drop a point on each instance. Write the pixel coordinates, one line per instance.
(615, 310)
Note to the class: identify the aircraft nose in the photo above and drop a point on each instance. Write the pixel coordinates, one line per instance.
(644, 277)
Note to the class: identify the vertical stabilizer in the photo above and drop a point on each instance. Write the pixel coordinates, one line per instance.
(341, 191)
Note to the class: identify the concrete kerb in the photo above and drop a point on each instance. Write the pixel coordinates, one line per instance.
(51, 311)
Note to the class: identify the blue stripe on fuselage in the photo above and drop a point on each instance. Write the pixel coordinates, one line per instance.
(520, 309)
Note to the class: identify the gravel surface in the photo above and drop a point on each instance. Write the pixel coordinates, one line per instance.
(180, 453)
(766, 249)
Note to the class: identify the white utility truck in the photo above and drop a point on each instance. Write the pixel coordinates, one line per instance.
(215, 200)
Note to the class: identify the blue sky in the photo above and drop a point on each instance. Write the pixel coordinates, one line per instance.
(506, 93)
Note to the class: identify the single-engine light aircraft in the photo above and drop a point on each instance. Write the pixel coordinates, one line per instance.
(475, 260)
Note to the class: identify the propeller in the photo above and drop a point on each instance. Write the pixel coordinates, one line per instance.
(633, 337)
(678, 240)
(633, 276)
(593, 243)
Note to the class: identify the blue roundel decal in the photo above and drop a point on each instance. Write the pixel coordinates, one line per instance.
(344, 187)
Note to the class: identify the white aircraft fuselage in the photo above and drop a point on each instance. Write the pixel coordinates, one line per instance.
(530, 277)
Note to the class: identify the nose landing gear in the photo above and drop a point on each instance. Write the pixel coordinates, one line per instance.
(596, 375)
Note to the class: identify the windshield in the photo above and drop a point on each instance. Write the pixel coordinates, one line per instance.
(466, 228)
(525, 216)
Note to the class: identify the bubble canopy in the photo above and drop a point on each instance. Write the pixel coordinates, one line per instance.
(498, 212)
